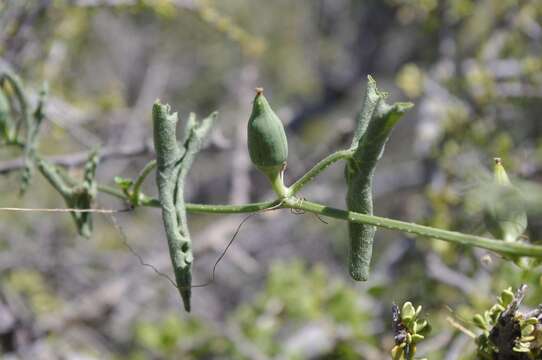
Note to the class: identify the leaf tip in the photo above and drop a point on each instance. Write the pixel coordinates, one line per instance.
(404, 106)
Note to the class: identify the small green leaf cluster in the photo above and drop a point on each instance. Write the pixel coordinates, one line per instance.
(531, 336)
(132, 189)
(124, 184)
(522, 332)
(488, 319)
(409, 331)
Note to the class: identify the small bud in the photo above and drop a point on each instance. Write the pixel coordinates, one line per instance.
(417, 338)
(507, 296)
(505, 216)
(501, 177)
(419, 326)
(396, 352)
(527, 330)
(408, 312)
(479, 321)
(521, 348)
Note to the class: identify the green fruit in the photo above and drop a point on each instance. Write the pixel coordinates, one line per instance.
(267, 144)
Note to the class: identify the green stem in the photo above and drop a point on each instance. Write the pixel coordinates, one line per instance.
(112, 191)
(506, 248)
(318, 168)
(17, 86)
(277, 184)
(151, 165)
(54, 177)
(195, 208)
(231, 209)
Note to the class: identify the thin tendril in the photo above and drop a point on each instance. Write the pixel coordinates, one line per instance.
(221, 256)
(302, 212)
(320, 218)
(124, 240)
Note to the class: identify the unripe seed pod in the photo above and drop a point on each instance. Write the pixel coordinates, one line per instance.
(501, 177)
(505, 217)
(267, 143)
(374, 128)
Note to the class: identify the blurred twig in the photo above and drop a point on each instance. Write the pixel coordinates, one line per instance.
(77, 159)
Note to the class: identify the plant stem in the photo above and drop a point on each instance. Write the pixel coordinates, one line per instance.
(151, 165)
(148, 201)
(17, 86)
(277, 184)
(506, 248)
(144, 200)
(231, 209)
(499, 246)
(112, 191)
(318, 168)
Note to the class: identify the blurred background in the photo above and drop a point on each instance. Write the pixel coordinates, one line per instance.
(472, 68)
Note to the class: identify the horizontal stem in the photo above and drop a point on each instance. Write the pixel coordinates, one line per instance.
(500, 246)
(230, 209)
(148, 201)
(318, 168)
